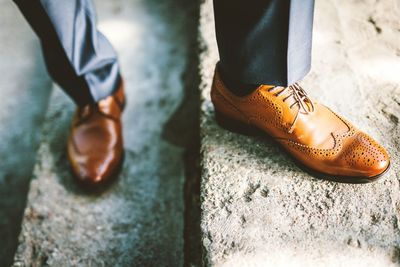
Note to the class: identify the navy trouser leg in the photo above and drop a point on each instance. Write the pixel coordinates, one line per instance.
(78, 57)
(265, 41)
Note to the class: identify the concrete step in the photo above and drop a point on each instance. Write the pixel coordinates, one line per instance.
(258, 208)
(25, 90)
(139, 221)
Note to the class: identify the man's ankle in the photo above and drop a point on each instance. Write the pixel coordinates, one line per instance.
(235, 86)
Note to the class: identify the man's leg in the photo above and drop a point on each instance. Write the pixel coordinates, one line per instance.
(264, 41)
(82, 61)
(265, 48)
(78, 57)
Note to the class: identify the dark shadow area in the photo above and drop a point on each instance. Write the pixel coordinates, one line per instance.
(183, 129)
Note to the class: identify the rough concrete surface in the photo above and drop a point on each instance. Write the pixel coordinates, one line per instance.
(24, 89)
(139, 221)
(258, 208)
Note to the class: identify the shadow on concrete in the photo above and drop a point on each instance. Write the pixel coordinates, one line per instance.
(20, 140)
(183, 129)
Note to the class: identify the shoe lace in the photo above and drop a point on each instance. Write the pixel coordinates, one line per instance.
(83, 114)
(301, 100)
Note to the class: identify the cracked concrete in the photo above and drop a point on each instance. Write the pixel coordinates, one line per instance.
(258, 208)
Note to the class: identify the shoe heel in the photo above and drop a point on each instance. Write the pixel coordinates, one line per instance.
(235, 126)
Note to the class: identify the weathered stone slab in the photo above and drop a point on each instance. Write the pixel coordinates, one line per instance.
(139, 221)
(258, 208)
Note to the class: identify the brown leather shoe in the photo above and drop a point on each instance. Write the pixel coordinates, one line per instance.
(324, 144)
(95, 144)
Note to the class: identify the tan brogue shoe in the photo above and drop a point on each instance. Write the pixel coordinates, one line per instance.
(95, 144)
(325, 144)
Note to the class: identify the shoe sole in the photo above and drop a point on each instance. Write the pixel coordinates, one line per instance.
(249, 130)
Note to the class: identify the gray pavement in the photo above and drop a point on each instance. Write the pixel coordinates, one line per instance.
(140, 220)
(25, 89)
(258, 208)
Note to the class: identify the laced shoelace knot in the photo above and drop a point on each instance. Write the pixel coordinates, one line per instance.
(300, 97)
